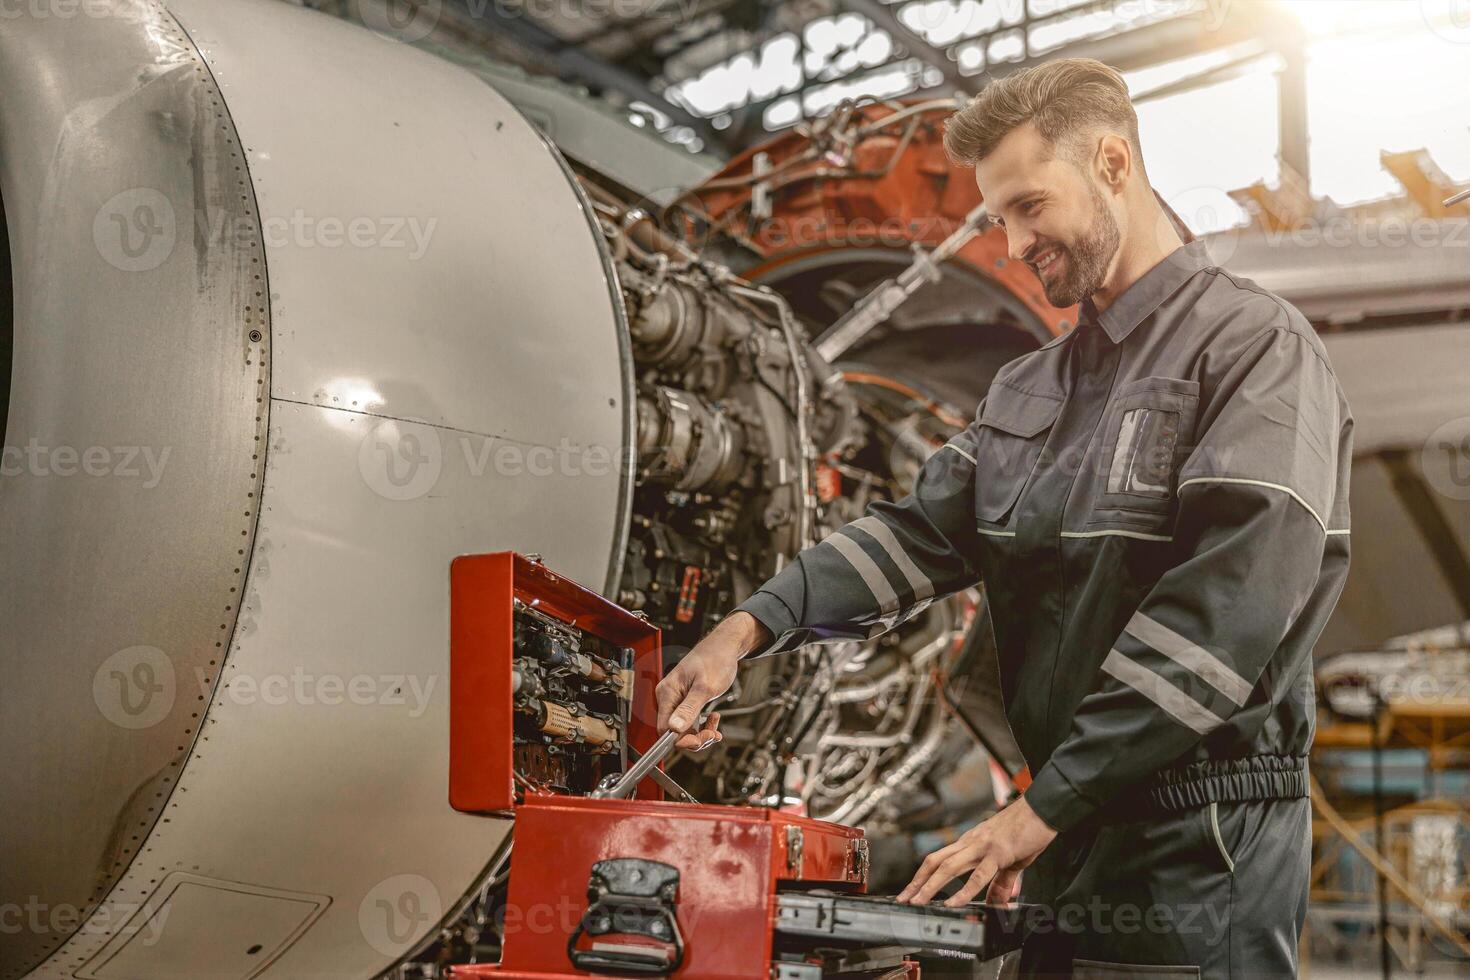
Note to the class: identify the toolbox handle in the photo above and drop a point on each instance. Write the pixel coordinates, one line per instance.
(611, 961)
(631, 897)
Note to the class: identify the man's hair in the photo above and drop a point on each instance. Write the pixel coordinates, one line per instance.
(1066, 99)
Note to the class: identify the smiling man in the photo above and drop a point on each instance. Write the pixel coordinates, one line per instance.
(1157, 502)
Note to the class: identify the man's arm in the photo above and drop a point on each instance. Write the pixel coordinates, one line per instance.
(1259, 518)
(863, 579)
(882, 569)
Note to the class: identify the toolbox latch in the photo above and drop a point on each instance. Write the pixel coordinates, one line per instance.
(858, 860)
(795, 845)
(630, 897)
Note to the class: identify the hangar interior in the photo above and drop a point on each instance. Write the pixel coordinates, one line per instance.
(313, 312)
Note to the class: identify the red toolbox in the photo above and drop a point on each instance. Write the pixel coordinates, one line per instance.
(729, 863)
(551, 696)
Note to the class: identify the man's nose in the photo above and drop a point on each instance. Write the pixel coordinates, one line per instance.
(1018, 242)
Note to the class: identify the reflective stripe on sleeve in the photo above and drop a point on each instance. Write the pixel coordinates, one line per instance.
(1180, 706)
(1191, 656)
(883, 534)
(867, 570)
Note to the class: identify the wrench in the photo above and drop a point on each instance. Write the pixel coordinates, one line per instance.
(647, 762)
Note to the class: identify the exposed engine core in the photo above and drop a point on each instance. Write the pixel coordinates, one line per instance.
(725, 409)
(733, 408)
(726, 384)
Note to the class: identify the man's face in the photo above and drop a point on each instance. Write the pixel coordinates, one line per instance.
(1055, 217)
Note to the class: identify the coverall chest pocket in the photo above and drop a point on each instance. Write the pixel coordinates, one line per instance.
(1147, 434)
(1013, 429)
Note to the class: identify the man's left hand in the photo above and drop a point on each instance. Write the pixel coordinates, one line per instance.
(997, 849)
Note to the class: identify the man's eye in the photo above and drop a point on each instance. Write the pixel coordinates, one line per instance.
(1030, 207)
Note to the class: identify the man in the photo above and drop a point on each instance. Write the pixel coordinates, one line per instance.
(1158, 504)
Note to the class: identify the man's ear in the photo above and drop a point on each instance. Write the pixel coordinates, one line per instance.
(1114, 161)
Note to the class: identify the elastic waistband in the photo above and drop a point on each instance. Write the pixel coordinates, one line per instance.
(1257, 777)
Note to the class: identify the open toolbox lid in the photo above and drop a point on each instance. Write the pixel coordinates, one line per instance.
(484, 593)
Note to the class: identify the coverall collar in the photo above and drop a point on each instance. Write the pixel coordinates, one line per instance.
(1145, 295)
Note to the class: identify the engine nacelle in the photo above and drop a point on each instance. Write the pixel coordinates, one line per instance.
(301, 314)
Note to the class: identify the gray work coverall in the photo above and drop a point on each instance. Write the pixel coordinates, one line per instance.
(1157, 502)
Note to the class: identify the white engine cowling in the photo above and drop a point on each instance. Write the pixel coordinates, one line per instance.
(300, 314)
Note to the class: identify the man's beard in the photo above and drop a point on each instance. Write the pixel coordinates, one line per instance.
(1085, 260)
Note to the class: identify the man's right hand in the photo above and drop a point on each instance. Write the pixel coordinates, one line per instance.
(706, 672)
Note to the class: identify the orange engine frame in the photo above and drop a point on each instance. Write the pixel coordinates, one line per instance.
(892, 188)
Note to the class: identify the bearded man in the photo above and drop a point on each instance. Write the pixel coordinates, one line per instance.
(1157, 502)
